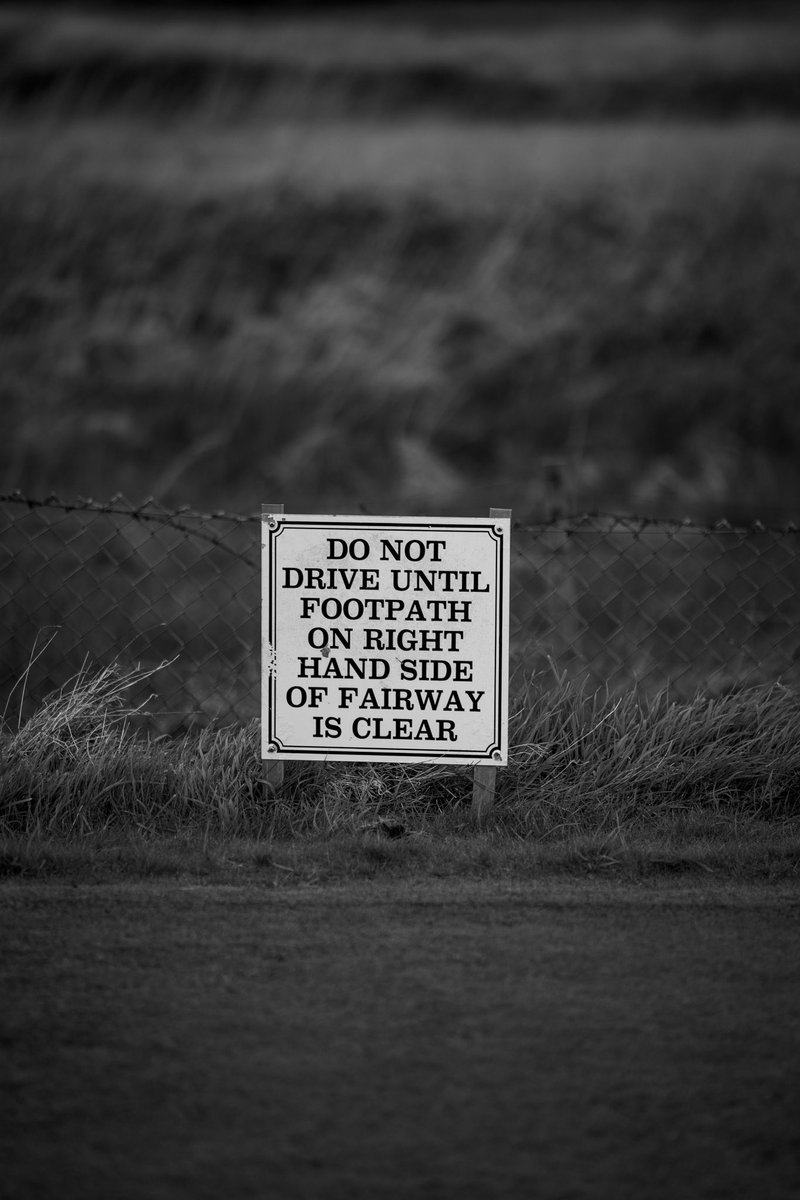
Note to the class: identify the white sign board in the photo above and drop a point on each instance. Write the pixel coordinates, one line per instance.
(385, 639)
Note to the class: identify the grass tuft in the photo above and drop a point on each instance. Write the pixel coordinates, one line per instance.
(594, 762)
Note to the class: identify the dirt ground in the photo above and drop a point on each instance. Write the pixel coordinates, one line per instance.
(407, 1039)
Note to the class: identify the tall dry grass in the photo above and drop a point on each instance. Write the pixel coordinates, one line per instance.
(581, 765)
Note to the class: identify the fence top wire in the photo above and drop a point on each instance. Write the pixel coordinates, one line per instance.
(149, 511)
(585, 522)
(607, 523)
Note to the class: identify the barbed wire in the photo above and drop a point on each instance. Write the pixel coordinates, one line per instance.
(149, 510)
(602, 522)
(592, 521)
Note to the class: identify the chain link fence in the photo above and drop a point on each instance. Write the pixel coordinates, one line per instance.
(615, 601)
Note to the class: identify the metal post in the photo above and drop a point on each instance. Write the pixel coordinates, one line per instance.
(273, 771)
(484, 778)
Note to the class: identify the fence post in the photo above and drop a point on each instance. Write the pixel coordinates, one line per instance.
(484, 778)
(273, 771)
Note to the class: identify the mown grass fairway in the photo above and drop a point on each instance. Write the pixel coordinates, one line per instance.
(400, 1039)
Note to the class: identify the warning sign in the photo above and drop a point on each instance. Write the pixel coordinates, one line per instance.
(385, 639)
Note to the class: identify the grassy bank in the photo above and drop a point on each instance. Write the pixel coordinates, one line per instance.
(234, 269)
(410, 320)
(593, 783)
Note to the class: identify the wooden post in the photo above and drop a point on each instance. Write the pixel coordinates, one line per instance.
(273, 771)
(483, 785)
(484, 778)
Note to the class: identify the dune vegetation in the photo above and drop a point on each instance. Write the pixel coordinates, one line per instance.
(403, 265)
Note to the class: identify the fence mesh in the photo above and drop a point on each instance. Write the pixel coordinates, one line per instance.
(615, 601)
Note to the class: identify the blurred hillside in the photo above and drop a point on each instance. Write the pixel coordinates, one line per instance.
(591, 63)
(412, 266)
